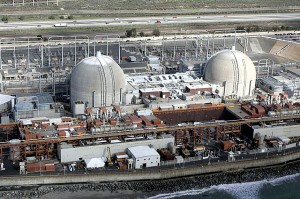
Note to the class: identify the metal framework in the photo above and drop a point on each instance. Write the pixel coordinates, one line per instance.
(188, 134)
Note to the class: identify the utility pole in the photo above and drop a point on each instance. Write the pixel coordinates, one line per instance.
(174, 55)
(185, 45)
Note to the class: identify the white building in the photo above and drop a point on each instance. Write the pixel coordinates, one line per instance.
(69, 153)
(144, 156)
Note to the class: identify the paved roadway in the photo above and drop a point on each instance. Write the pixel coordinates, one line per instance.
(102, 22)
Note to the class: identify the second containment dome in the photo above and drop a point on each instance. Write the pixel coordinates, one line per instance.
(234, 70)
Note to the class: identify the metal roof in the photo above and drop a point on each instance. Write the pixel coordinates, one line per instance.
(5, 98)
(142, 151)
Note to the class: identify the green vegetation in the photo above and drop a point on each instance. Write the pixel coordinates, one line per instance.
(22, 18)
(51, 17)
(142, 34)
(131, 33)
(156, 32)
(158, 4)
(70, 17)
(4, 18)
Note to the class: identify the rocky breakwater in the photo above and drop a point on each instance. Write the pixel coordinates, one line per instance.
(158, 186)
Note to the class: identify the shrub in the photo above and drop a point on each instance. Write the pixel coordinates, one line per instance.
(156, 32)
(4, 18)
(142, 34)
(131, 33)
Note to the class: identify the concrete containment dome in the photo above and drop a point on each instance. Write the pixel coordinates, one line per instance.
(98, 81)
(234, 70)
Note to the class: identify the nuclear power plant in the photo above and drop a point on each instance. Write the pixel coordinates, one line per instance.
(126, 105)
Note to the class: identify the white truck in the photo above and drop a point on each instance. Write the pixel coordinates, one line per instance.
(60, 25)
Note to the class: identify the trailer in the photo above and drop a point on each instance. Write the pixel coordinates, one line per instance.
(60, 25)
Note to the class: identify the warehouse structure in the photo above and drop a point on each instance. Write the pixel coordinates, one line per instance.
(144, 156)
(69, 153)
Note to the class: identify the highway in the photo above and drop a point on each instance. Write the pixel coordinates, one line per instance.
(129, 21)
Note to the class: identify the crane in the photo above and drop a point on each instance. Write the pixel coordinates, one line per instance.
(110, 163)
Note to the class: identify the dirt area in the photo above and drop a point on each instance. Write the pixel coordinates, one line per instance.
(150, 4)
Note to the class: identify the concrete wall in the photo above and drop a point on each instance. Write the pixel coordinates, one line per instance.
(105, 176)
(289, 131)
(150, 161)
(97, 151)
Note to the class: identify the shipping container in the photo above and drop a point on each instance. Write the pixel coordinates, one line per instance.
(36, 166)
(66, 119)
(50, 167)
(62, 127)
(112, 121)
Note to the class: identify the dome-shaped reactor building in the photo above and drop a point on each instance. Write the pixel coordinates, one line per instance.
(234, 70)
(98, 81)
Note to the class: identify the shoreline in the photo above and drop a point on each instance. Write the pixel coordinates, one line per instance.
(140, 189)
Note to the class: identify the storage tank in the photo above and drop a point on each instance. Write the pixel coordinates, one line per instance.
(272, 113)
(284, 112)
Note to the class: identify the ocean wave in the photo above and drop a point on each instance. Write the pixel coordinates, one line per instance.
(247, 190)
(280, 180)
(191, 192)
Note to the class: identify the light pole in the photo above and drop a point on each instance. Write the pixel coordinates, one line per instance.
(185, 45)
(174, 55)
(162, 48)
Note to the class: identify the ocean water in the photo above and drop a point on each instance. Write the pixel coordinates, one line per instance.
(287, 187)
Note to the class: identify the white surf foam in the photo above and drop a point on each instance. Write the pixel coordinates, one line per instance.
(247, 190)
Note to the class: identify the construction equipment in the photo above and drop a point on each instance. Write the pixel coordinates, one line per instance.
(109, 162)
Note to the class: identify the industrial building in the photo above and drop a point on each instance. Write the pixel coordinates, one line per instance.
(144, 156)
(99, 148)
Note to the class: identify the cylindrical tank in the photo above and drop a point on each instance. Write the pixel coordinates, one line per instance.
(272, 113)
(284, 112)
(262, 103)
(14, 151)
(294, 111)
(96, 130)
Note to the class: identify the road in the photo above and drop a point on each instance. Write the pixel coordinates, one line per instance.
(104, 22)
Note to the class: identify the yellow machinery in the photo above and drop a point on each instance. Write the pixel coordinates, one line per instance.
(110, 163)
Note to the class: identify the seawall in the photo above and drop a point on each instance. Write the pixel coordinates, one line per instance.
(152, 174)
